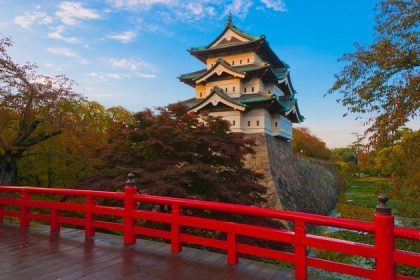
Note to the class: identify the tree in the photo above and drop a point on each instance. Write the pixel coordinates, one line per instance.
(176, 154)
(33, 109)
(307, 144)
(345, 154)
(401, 162)
(74, 154)
(382, 80)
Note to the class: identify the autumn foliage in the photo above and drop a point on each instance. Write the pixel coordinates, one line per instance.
(308, 145)
(380, 82)
(177, 154)
(33, 109)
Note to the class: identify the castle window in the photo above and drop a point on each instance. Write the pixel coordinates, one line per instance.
(252, 89)
(244, 89)
(233, 89)
(276, 124)
(248, 60)
(233, 123)
(269, 91)
(233, 62)
(240, 61)
(249, 123)
(258, 123)
(201, 94)
(225, 89)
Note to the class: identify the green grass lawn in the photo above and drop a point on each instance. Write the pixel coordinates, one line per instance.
(364, 191)
(360, 199)
(359, 202)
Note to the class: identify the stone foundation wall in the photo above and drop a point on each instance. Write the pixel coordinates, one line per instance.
(292, 183)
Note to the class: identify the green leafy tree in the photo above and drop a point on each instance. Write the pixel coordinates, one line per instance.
(402, 162)
(33, 109)
(382, 80)
(345, 154)
(75, 153)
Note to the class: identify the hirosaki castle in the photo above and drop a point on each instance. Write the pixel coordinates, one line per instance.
(245, 83)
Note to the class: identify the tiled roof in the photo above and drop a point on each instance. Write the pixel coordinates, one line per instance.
(227, 45)
(241, 68)
(243, 100)
(281, 73)
(250, 67)
(193, 75)
(244, 34)
(236, 30)
(287, 102)
(254, 98)
(192, 102)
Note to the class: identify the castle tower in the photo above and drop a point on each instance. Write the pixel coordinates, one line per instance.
(245, 83)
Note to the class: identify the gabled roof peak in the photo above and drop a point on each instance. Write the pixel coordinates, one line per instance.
(230, 25)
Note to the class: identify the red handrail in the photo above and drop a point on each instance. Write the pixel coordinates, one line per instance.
(383, 251)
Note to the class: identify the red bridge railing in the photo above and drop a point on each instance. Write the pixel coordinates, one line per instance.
(383, 251)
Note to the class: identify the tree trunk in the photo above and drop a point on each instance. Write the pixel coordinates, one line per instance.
(8, 169)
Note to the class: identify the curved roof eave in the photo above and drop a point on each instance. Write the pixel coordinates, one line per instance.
(219, 92)
(220, 61)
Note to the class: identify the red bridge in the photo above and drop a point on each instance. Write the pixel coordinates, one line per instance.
(41, 204)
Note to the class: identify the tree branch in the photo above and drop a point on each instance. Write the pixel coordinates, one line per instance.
(40, 138)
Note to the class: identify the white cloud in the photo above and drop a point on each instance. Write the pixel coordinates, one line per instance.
(57, 34)
(105, 76)
(55, 66)
(118, 76)
(30, 18)
(124, 37)
(132, 64)
(132, 68)
(145, 75)
(187, 10)
(190, 11)
(63, 52)
(276, 5)
(142, 4)
(195, 8)
(70, 13)
(239, 8)
(125, 63)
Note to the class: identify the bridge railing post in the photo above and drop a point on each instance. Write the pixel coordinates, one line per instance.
(89, 217)
(384, 240)
(130, 205)
(176, 245)
(55, 225)
(24, 209)
(232, 253)
(300, 250)
(1, 213)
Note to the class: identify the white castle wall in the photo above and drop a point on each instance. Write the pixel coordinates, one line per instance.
(237, 59)
(257, 120)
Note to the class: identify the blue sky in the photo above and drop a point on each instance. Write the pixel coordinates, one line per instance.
(129, 52)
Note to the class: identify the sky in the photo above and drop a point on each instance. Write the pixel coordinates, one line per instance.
(130, 52)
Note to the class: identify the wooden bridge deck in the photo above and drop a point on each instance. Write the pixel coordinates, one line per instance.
(33, 254)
